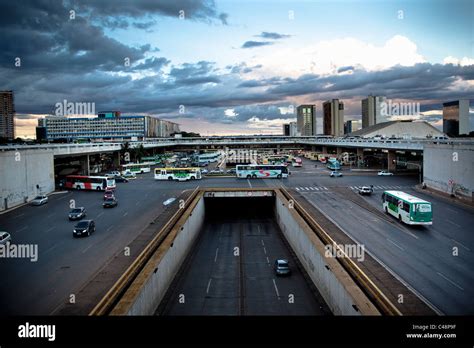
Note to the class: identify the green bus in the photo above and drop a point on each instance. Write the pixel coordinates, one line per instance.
(407, 208)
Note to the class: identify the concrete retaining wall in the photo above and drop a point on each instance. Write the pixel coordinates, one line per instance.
(449, 168)
(335, 285)
(146, 293)
(25, 174)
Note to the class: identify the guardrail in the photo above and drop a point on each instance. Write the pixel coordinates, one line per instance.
(113, 295)
(380, 299)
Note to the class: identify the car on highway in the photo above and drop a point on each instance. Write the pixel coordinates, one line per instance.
(108, 194)
(282, 267)
(5, 237)
(129, 175)
(384, 173)
(84, 228)
(204, 171)
(110, 202)
(335, 174)
(77, 213)
(232, 171)
(366, 190)
(216, 171)
(39, 200)
(113, 173)
(120, 178)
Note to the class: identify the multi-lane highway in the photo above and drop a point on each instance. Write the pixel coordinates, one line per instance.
(421, 257)
(230, 271)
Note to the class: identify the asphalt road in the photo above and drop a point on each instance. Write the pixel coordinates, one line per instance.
(65, 263)
(217, 282)
(421, 256)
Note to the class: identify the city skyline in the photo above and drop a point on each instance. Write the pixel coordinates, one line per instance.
(221, 68)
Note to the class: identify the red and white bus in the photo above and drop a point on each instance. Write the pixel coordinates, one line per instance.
(83, 182)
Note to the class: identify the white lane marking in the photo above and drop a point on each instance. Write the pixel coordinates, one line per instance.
(297, 188)
(263, 244)
(465, 247)
(268, 261)
(17, 216)
(324, 187)
(306, 188)
(49, 230)
(379, 187)
(453, 223)
(217, 252)
(21, 229)
(398, 246)
(276, 289)
(98, 216)
(454, 211)
(317, 189)
(49, 249)
(137, 203)
(110, 227)
(264, 250)
(126, 213)
(249, 183)
(311, 188)
(50, 215)
(90, 246)
(449, 280)
(208, 285)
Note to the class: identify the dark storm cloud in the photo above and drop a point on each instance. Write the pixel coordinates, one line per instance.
(273, 36)
(345, 68)
(253, 44)
(242, 68)
(204, 10)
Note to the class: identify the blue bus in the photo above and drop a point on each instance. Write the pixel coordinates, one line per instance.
(333, 164)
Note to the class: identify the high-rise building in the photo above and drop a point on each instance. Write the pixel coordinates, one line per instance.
(333, 118)
(290, 129)
(372, 111)
(456, 118)
(7, 115)
(306, 120)
(348, 127)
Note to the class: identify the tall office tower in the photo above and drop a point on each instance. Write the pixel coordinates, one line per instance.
(456, 118)
(7, 115)
(306, 119)
(371, 111)
(333, 118)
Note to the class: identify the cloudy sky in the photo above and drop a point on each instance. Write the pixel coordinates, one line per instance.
(233, 66)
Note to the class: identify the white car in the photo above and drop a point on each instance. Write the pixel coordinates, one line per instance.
(113, 174)
(5, 237)
(384, 173)
(39, 200)
(204, 171)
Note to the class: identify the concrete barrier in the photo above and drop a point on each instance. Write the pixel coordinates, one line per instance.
(147, 290)
(341, 293)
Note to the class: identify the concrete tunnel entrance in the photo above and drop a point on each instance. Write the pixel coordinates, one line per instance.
(230, 268)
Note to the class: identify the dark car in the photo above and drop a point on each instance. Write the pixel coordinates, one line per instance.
(282, 267)
(110, 203)
(120, 179)
(84, 228)
(108, 194)
(77, 213)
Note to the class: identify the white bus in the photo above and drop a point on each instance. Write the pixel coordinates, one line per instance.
(178, 174)
(84, 182)
(407, 208)
(137, 168)
(253, 171)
